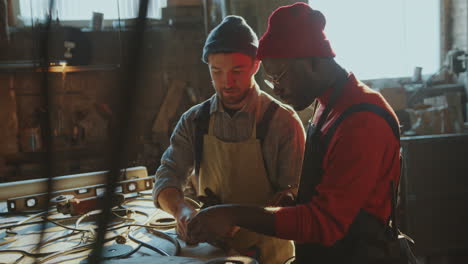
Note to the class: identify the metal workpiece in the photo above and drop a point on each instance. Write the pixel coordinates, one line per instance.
(163, 223)
(233, 259)
(116, 250)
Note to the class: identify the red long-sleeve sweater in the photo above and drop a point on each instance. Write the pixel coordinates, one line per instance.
(362, 158)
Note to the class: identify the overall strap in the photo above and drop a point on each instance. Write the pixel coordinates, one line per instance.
(335, 95)
(312, 158)
(391, 121)
(367, 107)
(363, 107)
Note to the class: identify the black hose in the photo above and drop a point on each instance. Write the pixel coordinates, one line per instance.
(24, 253)
(68, 252)
(146, 245)
(167, 237)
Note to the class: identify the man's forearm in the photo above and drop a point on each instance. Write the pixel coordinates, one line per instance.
(253, 218)
(170, 199)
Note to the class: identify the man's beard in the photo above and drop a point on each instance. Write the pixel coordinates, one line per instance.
(233, 100)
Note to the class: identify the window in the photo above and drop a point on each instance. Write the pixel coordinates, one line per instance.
(67, 10)
(383, 38)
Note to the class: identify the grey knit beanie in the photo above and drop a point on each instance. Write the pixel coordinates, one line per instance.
(233, 34)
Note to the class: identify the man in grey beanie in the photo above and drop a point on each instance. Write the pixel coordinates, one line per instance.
(242, 145)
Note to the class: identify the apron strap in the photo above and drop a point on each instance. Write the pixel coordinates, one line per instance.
(211, 127)
(262, 130)
(202, 120)
(264, 124)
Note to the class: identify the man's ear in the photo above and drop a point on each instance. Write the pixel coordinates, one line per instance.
(256, 66)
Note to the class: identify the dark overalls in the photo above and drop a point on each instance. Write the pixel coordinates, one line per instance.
(367, 240)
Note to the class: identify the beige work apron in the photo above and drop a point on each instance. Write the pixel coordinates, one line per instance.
(235, 172)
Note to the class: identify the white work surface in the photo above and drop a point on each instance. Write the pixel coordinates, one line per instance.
(27, 238)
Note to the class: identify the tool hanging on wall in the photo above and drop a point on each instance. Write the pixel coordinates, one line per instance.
(456, 60)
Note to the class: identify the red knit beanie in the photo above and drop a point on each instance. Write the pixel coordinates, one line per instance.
(295, 31)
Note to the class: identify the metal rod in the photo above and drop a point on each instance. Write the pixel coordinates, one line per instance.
(47, 131)
(120, 138)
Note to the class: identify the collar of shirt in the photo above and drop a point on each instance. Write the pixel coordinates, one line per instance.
(250, 102)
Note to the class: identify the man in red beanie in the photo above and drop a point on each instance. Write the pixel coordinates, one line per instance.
(351, 162)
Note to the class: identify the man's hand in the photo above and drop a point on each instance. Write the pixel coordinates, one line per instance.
(209, 199)
(172, 201)
(211, 224)
(283, 198)
(183, 216)
(217, 222)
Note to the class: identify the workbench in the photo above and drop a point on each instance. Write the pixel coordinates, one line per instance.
(77, 243)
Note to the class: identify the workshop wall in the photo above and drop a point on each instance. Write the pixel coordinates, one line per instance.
(85, 101)
(8, 116)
